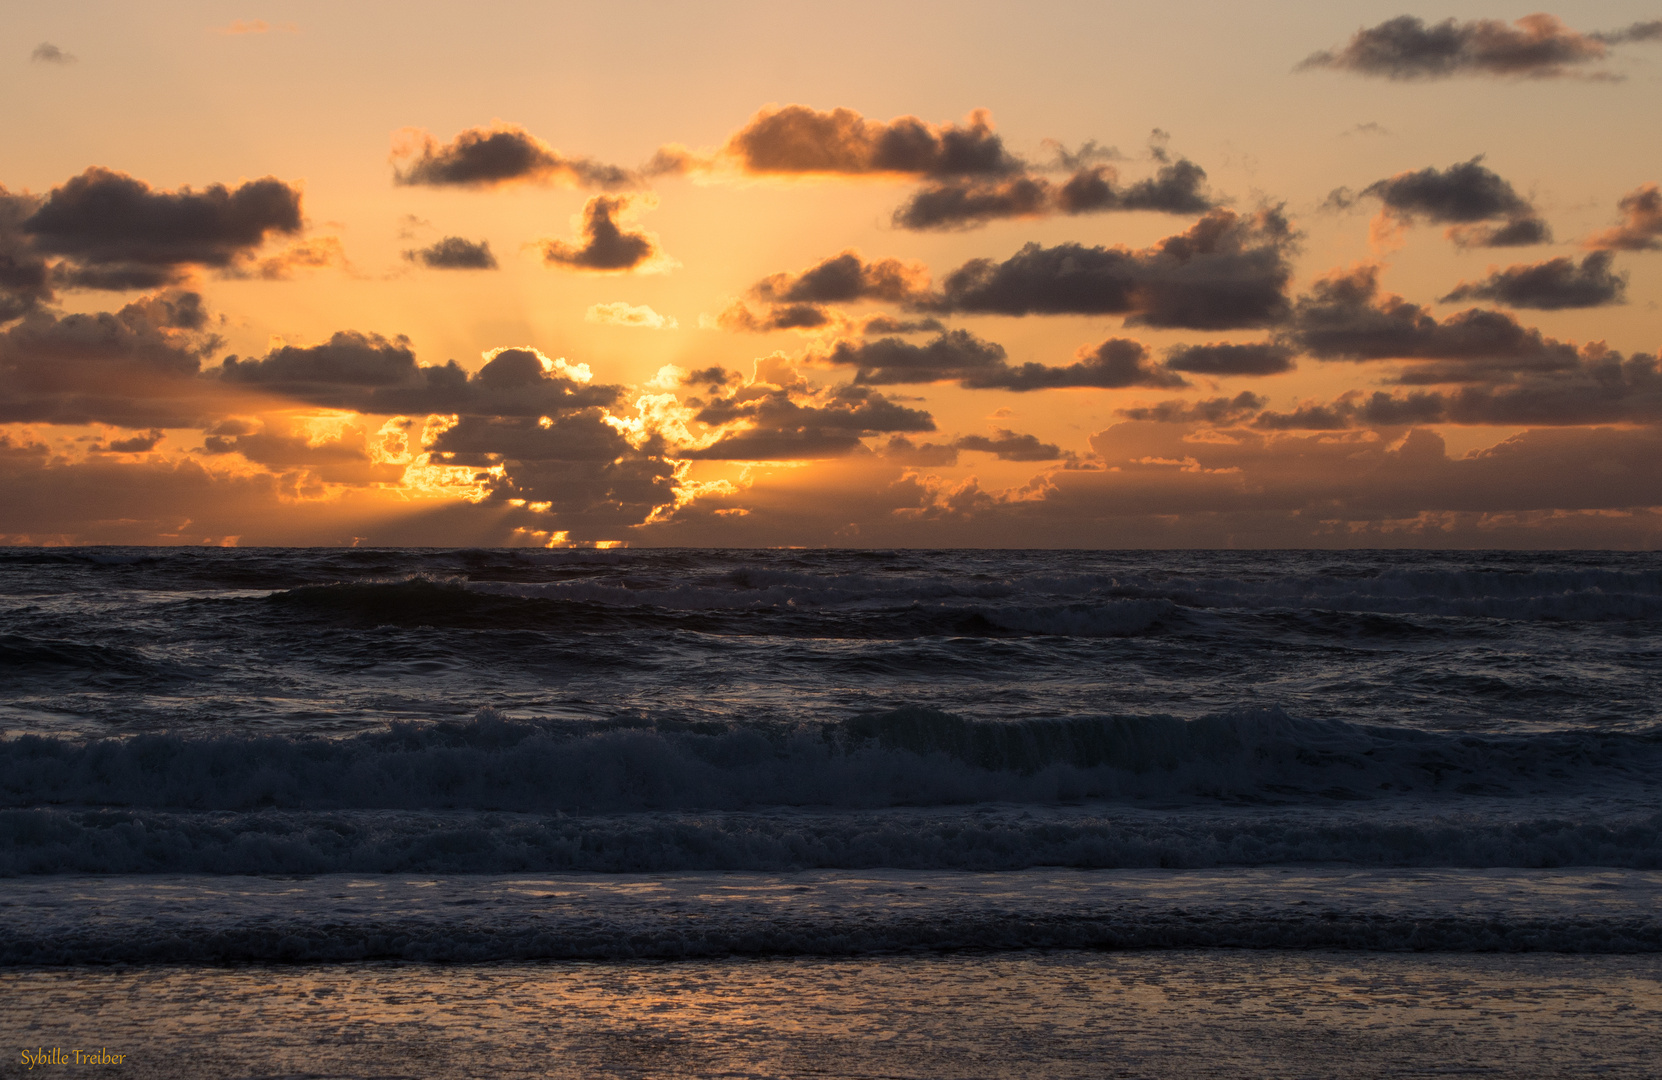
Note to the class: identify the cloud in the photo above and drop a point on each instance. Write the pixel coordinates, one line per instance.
(976, 364)
(373, 374)
(796, 140)
(454, 253)
(1347, 317)
(137, 444)
(1535, 46)
(136, 368)
(1460, 193)
(48, 53)
(1218, 411)
(1642, 231)
(1520, 232)
(1227, 271)
(496, 155)
(1548, 286)
(623, 314)
(116, 232)
(1226, 359)
(1009, 446)
(770, 421)
(846, 277)
(1461, 196)
(1178, 188)
(25, 277)
(312, 253)
(606, 247)
(1600, 388)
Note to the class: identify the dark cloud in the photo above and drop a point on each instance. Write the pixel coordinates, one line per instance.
(798, 139)
(1112, 365)
(454, 253)
(606, 247)
(135, 368)
(901, 449)
(116, 232)
(372, 374)
(976, 364)
(714, 377)
(1535, 46)
(48, 53)
(1219, 411)
(845, 278)
(503, 154)
(137, 444)
(966, 205)
(1346, 317)
(781, 423)
(795, 301)
(1600, 388)
(1461, 193)
(886, 324)
(1178, 188)
(1009, 446)
(25, 277)
(1225, 359)
(740, 319)
(1522, 232)
(1642, 229)
(1548, 286)
(956, 354)
(1227, 271)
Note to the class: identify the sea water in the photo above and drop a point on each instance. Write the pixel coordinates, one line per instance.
(909, 813)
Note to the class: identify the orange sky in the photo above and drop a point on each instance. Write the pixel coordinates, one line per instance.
(741, 274)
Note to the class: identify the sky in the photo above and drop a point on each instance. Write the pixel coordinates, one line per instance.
(1065, 274)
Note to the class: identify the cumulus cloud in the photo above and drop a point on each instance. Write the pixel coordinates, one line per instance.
(374, 374)
(1642, 228)
(1224, 359)
(1548, 286)
(135, 368)
(797, 139)
(605, 245)
(1464, 196)
(1227, 271)
(1218, 411)
(25, 277)
(496, 155)
(1346, 316)
(1535, 46)
(787, 419)
(846, 277)
(1600, 388)
(116, 232)
(454, 253)
(1179, 187)
(48, 53)
(976, 364)
(1007, 445)
(796, 301)
(620, 313)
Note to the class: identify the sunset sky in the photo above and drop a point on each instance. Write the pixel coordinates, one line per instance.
(1061, 274)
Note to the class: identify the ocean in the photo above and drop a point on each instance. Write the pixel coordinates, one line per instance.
(840, 813)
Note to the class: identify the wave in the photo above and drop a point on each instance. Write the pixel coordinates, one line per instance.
(331, 919)
(910, 756)
(61, 840)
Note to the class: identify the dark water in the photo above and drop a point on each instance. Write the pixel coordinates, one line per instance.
(198, 713)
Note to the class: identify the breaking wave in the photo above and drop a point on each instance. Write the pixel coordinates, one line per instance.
(904, 757)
